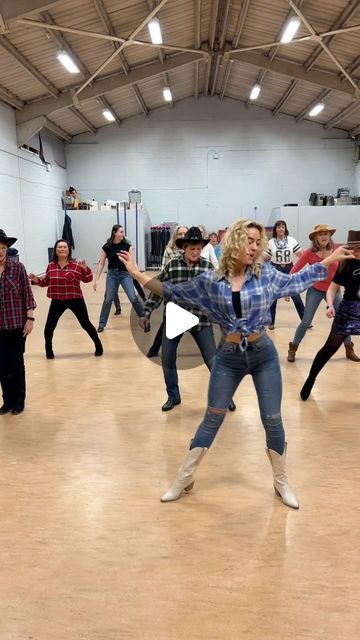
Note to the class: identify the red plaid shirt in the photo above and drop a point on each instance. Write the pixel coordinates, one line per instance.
(64, 283)
(15, 296)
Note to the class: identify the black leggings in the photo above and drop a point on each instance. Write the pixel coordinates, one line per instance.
(78, 307)
(331, 346)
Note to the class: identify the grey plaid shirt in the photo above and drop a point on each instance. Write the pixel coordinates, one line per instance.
(177, 271)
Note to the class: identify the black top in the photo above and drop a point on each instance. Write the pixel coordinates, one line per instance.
(236, 303)
(112, 250)
(349, 277)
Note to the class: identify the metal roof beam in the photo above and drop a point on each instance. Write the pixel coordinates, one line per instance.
(56, 130)
(213, 22)
(15, 53)
(259, 79)
(324, 94)
(103, 86)
(13, 9)
(223, 19)
(285, 97)
(272, 53)
(292, 70)
(356, 131)
(277, 43)
(239, 27)
(140, 99)
(225, 22)
(10, 98)
(80, 116)
(107, 105)
(322, 44)
(26, 130)
(128, 41)
(197, 43)
(105, 19)
(226, 78)
(152, 5)
(240, 23)
(63, 44)
(345, 15)
(348, 111)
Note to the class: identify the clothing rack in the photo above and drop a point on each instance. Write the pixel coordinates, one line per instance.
(159, 237)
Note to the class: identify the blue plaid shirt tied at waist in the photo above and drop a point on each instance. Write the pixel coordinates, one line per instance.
(176, 272)
(211, 293)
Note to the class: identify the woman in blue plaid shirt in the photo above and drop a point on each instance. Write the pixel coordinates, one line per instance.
(238, 297)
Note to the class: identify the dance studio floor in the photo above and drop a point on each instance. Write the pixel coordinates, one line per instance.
(90, 553)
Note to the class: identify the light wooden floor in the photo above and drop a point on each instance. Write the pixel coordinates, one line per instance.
(89, 552)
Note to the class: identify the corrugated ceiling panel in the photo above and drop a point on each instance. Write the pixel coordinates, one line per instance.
(68, 122)
(263, 23)
(15, 78)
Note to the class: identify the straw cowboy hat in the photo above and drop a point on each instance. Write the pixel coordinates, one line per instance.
(321, 228)
(6, 239)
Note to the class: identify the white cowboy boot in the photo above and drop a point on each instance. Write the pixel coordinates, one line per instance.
(184, 480)
(281, 484)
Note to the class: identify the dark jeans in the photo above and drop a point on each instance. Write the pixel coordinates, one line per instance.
(299, 305)
(205, 341)
(155, 347)
(78, 307)
(12, 368)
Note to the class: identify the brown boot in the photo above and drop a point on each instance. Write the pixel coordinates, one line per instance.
(350, 353)
(292, 351)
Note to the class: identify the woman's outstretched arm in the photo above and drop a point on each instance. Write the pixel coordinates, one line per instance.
(153, 284)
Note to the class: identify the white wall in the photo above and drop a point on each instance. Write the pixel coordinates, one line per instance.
(357, 178)
(29, 196)
(262, 162)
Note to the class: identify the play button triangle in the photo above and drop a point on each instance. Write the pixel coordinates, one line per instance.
(178, 320)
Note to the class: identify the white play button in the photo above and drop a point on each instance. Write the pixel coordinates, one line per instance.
(178, 320)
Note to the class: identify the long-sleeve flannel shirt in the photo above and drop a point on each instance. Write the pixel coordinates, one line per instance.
(64, 283)
(177, 271)
(212, 293)
(15, 296)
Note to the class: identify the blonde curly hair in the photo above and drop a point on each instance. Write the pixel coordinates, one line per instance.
(235, 243)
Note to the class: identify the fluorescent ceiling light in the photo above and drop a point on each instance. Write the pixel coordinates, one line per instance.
(290, 30)
(317, 109)
(108, 115)
(68, 62)
(155, 31)
(255, 92)
(167, 94)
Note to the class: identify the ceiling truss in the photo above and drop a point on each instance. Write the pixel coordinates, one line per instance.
(218, 58)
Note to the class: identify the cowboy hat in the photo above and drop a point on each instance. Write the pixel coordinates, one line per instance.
(192, 236)
(6, 239)
(321, 228)
(353, 239)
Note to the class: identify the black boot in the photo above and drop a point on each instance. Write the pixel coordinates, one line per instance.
(49, 352)
(306, 390)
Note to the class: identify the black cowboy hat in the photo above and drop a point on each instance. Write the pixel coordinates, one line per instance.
(6, 239)
(353, 239)
(192, 236)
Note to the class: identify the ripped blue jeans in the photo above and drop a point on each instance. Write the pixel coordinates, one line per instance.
(259, 360)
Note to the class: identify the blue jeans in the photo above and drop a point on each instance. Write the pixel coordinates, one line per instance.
(312, 301)
(299, 305)
(231, 365)
(115, 278)
(205, 341)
